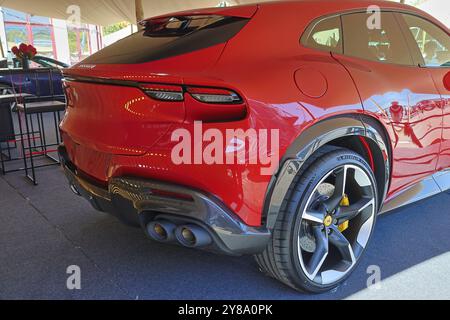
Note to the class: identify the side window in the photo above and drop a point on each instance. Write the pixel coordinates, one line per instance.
(324, 35)
(383, 45)
(433, 42)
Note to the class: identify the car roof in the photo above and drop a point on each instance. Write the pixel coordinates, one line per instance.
(321, 8)
(342, 3)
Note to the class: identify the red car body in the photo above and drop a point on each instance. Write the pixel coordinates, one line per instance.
(400, 114)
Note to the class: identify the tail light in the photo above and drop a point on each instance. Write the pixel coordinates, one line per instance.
(201, 103)
(163, 92)
(213, 95)
(176, 93)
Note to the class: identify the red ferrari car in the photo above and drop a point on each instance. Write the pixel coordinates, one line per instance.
(352, 104)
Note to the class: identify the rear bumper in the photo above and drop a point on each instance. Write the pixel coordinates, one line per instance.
(138, 201)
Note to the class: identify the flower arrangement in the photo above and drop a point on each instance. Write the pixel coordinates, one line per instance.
(24, 53)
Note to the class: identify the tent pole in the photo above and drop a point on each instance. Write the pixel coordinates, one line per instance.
(139, 13)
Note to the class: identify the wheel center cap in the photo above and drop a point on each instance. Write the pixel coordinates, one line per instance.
(328, 221)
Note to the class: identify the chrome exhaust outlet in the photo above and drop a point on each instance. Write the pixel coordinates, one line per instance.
(161, 230)
(192, 236)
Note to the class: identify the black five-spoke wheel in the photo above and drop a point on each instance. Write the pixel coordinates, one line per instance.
(326, 222)
(336, 227)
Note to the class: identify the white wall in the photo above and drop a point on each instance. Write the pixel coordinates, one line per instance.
(61, 40)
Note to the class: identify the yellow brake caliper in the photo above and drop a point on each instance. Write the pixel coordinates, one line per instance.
(345, 202)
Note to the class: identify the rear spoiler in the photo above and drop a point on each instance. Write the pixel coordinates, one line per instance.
(246, 11)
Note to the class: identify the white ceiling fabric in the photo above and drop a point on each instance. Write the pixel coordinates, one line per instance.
(440, 9)
(106, 12)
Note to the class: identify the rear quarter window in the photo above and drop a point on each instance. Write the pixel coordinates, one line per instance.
(324, 35)
(170, 37)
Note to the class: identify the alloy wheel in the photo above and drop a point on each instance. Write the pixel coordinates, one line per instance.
(336, 224)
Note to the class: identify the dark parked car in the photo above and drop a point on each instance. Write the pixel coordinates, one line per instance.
(42, 79)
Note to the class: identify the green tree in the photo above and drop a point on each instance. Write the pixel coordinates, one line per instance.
(115, 27)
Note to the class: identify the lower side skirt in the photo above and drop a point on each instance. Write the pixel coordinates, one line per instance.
(437, 183)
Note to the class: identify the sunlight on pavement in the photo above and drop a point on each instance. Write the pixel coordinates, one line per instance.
(428, 280)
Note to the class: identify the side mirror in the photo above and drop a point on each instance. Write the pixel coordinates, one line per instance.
(447, 81)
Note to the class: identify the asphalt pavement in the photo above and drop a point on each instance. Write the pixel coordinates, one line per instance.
(45, 229)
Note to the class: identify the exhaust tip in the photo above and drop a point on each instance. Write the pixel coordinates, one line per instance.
(192, 236)
(162, 231)
(188, 236)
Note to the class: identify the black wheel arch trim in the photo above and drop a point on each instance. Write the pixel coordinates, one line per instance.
(309, 141)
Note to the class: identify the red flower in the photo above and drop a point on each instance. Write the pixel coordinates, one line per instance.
(31, 51)
(23, 48)
(24, 51)
(15, 50)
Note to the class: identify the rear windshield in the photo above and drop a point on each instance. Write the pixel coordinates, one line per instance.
(170, 37)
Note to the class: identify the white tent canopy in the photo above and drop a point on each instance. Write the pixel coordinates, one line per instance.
(440, 9)
(106, 12)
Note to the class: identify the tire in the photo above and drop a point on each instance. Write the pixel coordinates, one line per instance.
(299, 239)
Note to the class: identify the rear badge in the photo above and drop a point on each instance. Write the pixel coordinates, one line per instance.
(87, 66)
